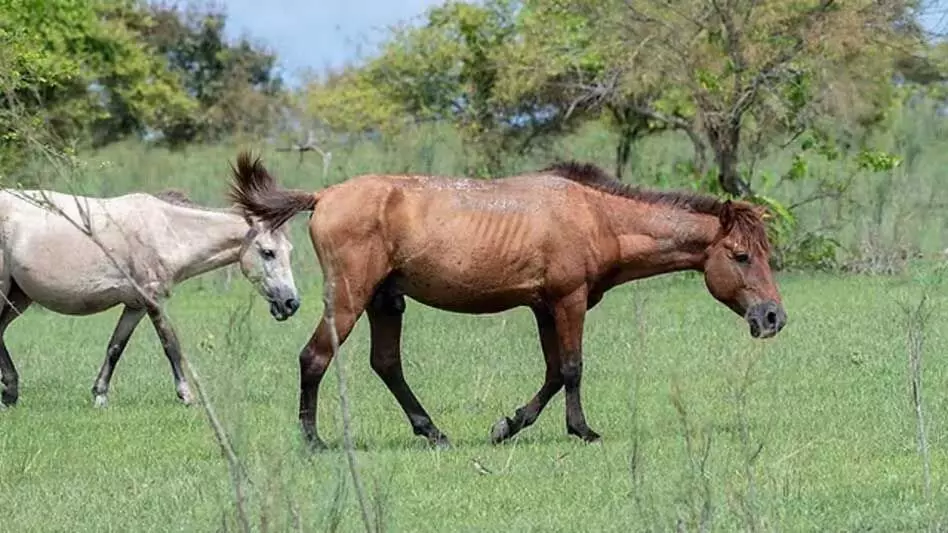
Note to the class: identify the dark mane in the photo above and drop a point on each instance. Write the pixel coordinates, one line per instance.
(176, 197)
(181, 199)
(742, 214)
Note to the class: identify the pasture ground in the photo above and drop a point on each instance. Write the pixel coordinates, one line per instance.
(829, 402)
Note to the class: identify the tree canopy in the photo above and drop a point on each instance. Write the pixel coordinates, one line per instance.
(97, 72)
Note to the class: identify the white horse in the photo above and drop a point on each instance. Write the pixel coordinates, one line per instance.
(156, 241)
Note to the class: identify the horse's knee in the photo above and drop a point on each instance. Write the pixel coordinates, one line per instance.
(572, 371)
(313, 364)
(384, 361)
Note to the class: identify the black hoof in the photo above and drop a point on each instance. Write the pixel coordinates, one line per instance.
(313, 443)
(439, 442)
(9, 399)
(586, 435)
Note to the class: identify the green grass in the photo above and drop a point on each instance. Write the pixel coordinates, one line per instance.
(829, 402)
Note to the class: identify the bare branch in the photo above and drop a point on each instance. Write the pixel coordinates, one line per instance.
(309, 145)
(329, 295)
(163, 324)
(735, 45)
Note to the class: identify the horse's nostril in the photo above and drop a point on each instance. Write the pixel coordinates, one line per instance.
(771, 318)
(293, 304)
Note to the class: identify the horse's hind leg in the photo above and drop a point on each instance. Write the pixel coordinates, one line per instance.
(172, 348)
(385, 322)
(123, 331)
(14, 304)
(569, 315)
(526, 415)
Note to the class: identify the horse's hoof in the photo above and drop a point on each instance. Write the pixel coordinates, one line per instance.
(501, 431)
(314, 444)
(184, 394)
(440, 442)
(8, 399)
(100, 401)
(588, 436)
(591, 437)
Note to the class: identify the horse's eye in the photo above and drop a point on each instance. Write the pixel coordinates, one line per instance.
(742, 257)
(268, 254)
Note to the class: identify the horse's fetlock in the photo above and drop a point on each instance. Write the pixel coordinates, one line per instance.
(9, 396)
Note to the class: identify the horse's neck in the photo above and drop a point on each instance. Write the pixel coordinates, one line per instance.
(657, 239)
(205, 240)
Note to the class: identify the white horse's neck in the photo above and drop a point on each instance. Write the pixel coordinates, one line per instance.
(205, 240)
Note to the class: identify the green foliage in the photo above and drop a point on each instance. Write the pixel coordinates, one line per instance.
(233, 83)
(91, 73)
(348, 102)
(447, 69)
(77, 66)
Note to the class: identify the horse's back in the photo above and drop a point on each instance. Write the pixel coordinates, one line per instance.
(459, 243)
(57, 264)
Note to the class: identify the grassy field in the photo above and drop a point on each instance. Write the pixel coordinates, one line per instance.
(828, 401)
(823, 438)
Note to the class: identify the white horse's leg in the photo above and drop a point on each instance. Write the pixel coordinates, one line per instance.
(173, 351)
(123, 331)
(14, 304)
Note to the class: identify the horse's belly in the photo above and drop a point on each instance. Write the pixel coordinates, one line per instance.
(70, 295)
(471, 291)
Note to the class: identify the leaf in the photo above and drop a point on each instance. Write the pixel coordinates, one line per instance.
(877, 161)
(798, 169)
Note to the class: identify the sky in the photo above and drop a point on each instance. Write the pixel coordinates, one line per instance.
(316, 34)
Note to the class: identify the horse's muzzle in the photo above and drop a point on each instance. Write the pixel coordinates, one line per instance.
(765, 319)
(283, 309)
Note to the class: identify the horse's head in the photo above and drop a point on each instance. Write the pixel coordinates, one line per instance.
(737, 270)
(265, 262)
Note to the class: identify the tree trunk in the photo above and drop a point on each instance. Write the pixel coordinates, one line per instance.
(700, 158)
(725, 137)
(630, 128)
(623, 151)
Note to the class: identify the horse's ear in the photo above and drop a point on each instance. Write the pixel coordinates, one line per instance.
(762, 212)
(727, 217)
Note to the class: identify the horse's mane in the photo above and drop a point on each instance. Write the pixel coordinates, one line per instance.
(181, 199)
(743, 216)
(177, 197)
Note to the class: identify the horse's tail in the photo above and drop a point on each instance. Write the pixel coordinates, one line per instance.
(257, 194)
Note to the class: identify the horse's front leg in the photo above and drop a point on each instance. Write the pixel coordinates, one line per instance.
(14, 304)
(569, 315)
(127, 323)
(169, 342)
(526, 415)
(314, 361)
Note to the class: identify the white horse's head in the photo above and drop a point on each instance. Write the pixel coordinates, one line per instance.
(265, 262)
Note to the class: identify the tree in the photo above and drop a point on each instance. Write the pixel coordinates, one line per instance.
(758, 71)
(448, 69)
(75, 66)
(234, 84)
(564, 62)
(347, 101)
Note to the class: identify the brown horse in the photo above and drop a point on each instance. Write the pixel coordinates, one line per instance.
(554, 241)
